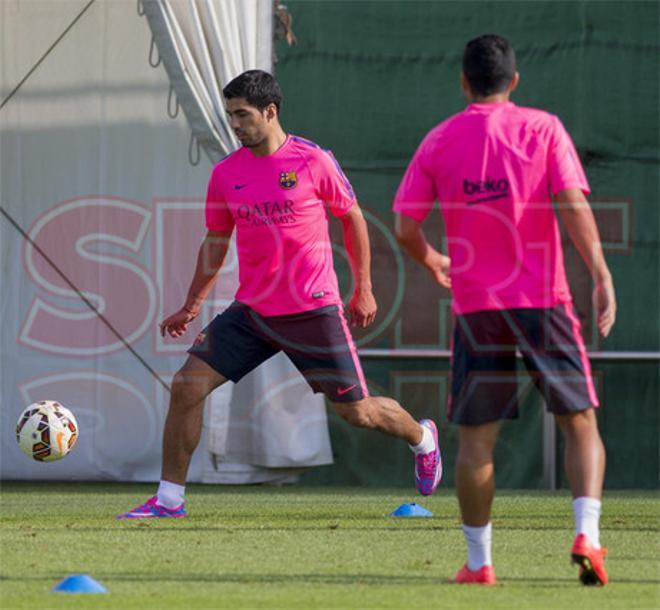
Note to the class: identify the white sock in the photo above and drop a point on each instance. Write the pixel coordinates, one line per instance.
(478, 543)
(170, 495)
(426, 445)
(587, 516)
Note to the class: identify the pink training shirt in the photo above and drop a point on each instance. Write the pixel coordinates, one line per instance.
(494, 169)
(279, 204)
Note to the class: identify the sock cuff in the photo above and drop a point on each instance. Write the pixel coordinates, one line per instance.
(587, 502)
(172, 487)
(478, 532)
(426, 445)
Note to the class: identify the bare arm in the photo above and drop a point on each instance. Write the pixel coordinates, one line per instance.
(362, 306)
(580, 223)
(412, 239)
(211, 255)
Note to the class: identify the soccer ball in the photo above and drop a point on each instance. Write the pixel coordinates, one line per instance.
(46, 431)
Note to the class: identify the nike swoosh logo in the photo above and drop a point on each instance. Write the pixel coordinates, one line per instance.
(490, 198)
(341, 391)
(239, 186)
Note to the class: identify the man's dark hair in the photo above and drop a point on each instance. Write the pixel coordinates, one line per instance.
(489, 64)
(257, 87)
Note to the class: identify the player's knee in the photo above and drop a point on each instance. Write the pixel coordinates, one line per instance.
(476, 444)
(355, 413)
(178, 388)
(578, 422)
(188, 388)
(474, 456)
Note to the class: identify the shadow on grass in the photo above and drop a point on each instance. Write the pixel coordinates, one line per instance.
(142, 527)
(319, 579)
(290, 523)
(543, 580)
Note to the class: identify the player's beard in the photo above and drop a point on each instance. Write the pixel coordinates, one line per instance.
(254, 141)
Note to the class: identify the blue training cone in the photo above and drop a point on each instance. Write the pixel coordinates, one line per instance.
(79, 583)
(411, 510)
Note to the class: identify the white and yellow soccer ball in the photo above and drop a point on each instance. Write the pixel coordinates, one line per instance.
(46, 431)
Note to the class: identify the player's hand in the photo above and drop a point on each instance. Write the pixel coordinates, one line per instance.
(604, 301)
(439, 266)
(362, 308)
(177, 324)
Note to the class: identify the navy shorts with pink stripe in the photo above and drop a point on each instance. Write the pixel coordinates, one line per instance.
(318, 342)
(484, 385)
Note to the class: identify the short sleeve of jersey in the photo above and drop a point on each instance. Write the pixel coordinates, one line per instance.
(564, 167)
(416, 194)
(333, 185)
(218, 216)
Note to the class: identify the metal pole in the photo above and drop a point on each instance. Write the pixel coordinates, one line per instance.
(549, 450)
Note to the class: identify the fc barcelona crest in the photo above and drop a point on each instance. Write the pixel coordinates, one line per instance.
(288, 180)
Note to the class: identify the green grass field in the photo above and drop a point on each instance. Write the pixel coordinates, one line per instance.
(262, 547)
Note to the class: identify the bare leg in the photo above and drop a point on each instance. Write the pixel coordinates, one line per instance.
(383, 414)
(183, 426)
(584, 460)
(475, 473)
(584, 455)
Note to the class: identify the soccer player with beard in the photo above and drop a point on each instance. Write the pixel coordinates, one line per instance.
(276, 191)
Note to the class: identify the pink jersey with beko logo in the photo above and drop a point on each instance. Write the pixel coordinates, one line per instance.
(279, 205)
(493, 168)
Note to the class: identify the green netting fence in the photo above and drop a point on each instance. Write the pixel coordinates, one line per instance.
(369, 79)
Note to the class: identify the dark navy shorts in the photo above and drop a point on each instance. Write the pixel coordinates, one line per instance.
(318, 342)
(484, 385)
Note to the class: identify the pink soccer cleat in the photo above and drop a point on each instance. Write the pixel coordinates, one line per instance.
(485, 575)
(591, 561)
(428, 466)
(152, 510)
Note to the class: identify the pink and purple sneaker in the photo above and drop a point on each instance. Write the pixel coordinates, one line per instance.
(152, 510)
(428, 466)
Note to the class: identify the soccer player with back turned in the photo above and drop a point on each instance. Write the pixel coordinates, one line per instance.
(494, 168)
(277, 191)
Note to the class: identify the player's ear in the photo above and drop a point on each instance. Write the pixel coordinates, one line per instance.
(514, 82)
(271, 112)
(465, 86)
